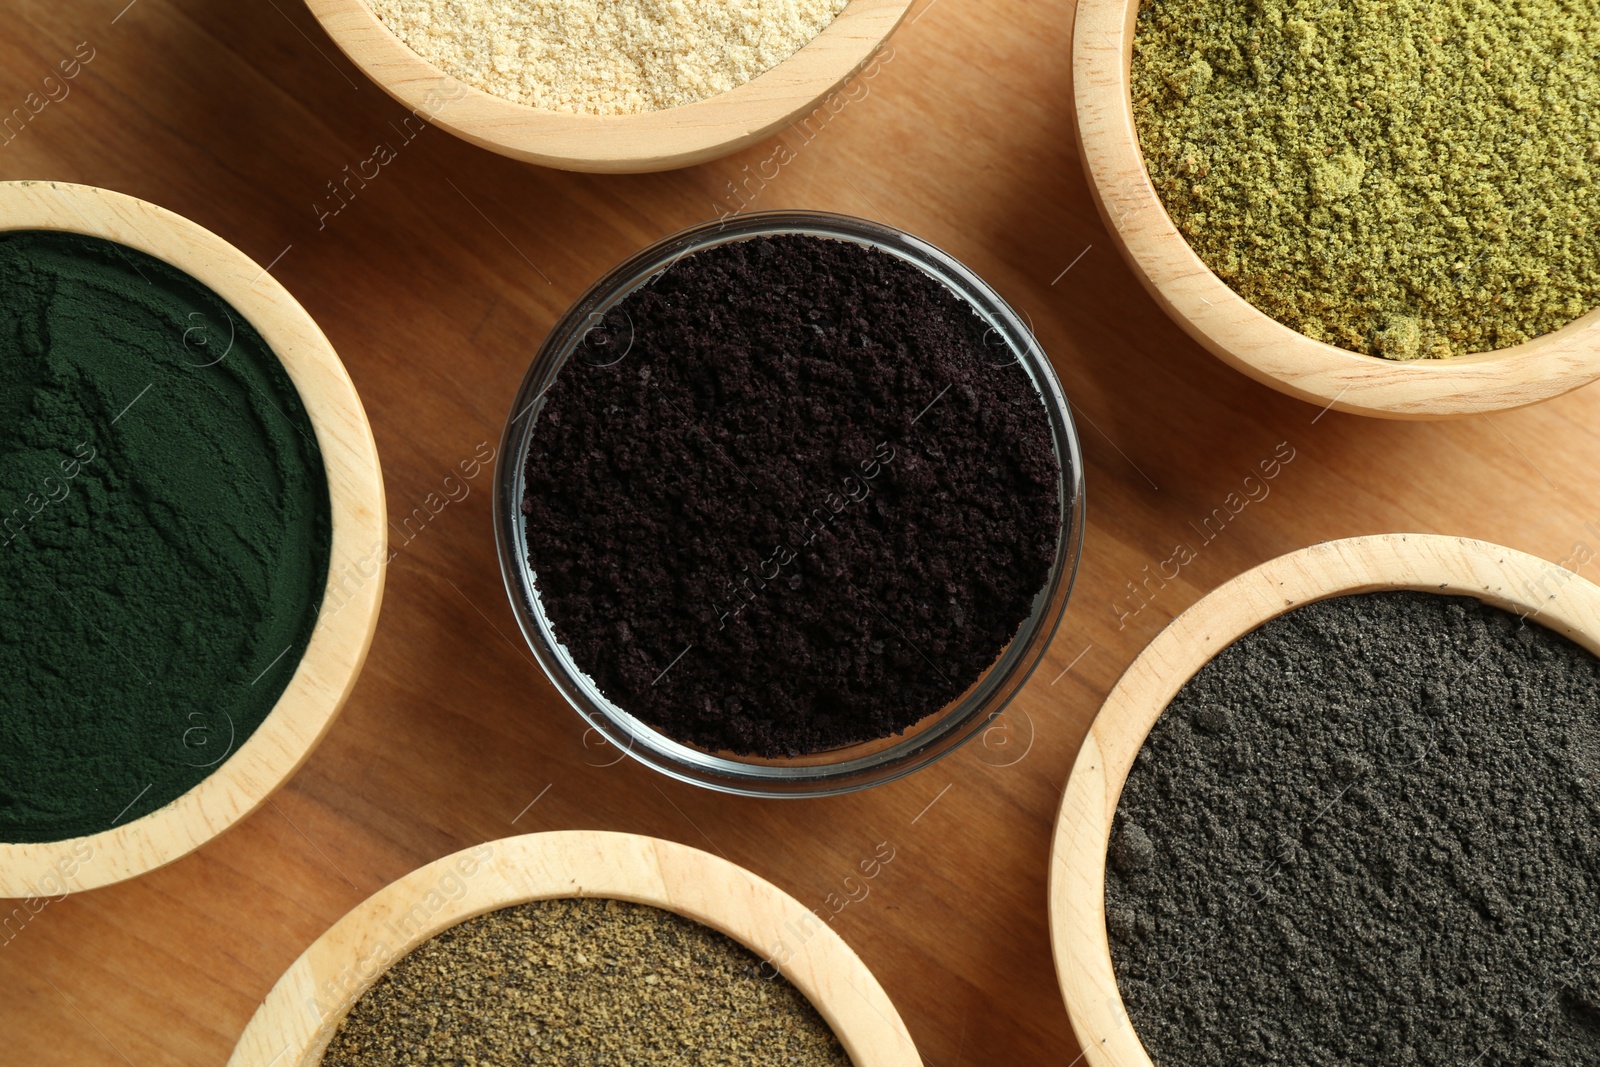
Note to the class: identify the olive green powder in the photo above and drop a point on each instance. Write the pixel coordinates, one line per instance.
(581, 983)
(164, 534)
(1403, 178)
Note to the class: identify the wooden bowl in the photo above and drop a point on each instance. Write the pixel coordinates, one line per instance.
(649, 141)
(1500, 577)
(1248, 339)
(293, 1027)
(343, 632)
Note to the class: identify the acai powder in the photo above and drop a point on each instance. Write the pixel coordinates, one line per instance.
(1368, 833)
(791, 494)
(164, 534)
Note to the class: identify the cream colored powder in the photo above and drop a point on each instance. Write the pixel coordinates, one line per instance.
(606, 57)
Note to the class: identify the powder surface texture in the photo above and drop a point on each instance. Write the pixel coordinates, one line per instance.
(164, 534)
(606, 57)
(1368, 833)
(807, 505)
(581, 983)
(1403, 178)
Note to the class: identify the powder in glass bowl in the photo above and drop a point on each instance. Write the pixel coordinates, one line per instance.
(804, 507)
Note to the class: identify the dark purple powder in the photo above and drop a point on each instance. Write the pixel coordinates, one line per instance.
(793, 496)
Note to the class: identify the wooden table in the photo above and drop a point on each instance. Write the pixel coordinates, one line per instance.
(437, 281)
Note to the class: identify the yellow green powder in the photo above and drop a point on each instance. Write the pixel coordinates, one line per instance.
(1404, 178)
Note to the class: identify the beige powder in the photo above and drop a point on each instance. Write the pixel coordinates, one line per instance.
(606, 57)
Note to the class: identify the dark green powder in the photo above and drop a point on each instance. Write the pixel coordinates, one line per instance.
(164, 534)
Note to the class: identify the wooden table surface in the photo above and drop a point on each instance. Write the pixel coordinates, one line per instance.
(437, 282)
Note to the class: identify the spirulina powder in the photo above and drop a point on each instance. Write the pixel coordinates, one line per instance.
(164, 534)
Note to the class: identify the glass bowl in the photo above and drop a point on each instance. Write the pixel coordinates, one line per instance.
(838, 770)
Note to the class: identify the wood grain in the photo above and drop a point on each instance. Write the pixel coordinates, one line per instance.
(304, 1010)
(1499, 576)
(656, 140)
(437, 281)
(327, 672)
(1251, 341)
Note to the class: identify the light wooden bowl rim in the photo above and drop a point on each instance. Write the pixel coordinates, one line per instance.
(1502, 577)
(1235, 330)
(650, 141)
(339, 642)
(293, 1026)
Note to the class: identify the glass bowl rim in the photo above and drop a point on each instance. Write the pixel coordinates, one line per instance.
(920, 745)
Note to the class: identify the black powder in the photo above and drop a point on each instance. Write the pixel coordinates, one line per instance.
(1368, 833)
(794, 495)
